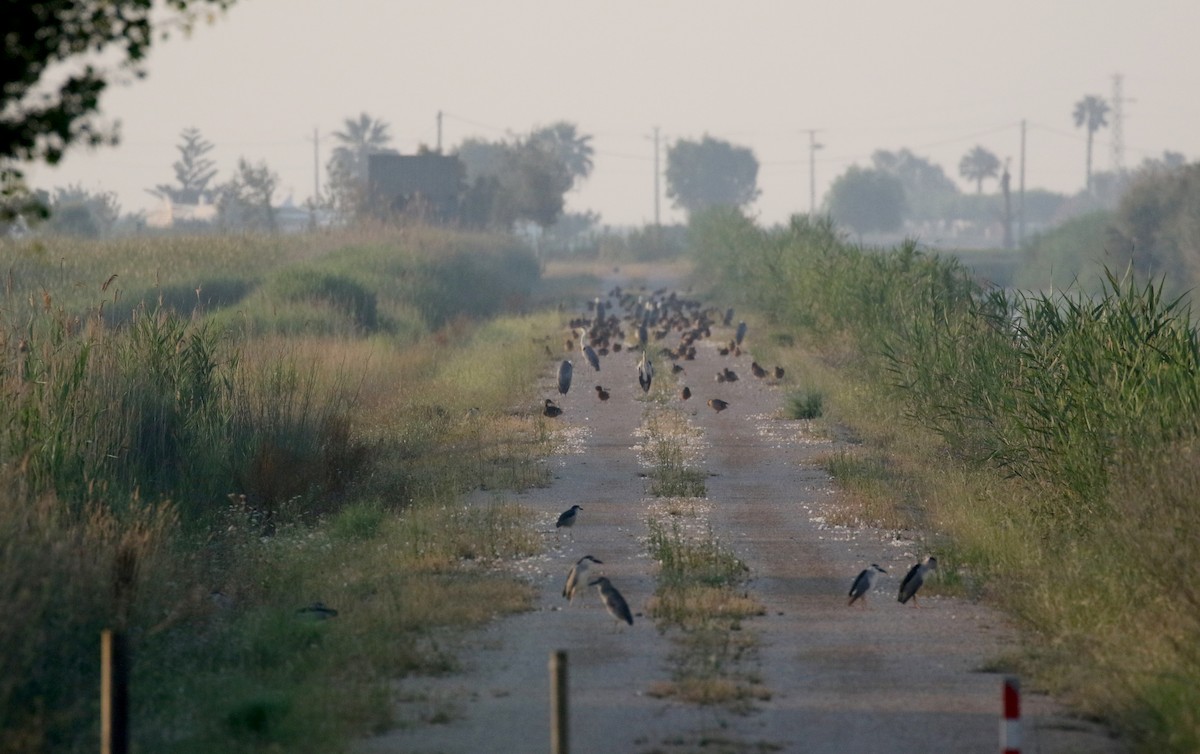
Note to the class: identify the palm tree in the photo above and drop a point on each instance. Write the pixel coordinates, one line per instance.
(573, 149)
(978, 165)
(1092, 112)
(361, 136)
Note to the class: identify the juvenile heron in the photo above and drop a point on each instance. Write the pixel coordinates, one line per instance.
(718, 405)
(613, 601)
(685, 393)
(645, 372)
(575, 577)
(915, 578)
(864, 582)
(564, 376)
(551, 409)
(566, 519)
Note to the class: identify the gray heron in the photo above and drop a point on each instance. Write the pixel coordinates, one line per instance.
(564, 376)
(915, 578)
(741, 333)
(645, 372)
(864, 582)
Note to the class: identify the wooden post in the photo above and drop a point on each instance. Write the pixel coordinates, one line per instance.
(114, 693)
(1010, 725)
(559, 739)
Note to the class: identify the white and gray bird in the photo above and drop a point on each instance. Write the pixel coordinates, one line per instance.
(564, 376)
(567, 518)
(613, 601)
(575, 576)
(862, 585)
(645, 372)
(588, 352)
(915, 578)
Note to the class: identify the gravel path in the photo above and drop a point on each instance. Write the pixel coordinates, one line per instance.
(882, 677)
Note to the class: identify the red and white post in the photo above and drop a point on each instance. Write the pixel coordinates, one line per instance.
(1010, 724)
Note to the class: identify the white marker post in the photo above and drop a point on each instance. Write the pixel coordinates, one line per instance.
(1010, 725)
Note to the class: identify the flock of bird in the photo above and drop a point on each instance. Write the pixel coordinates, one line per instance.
(648, 321)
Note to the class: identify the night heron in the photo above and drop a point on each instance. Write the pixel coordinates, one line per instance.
(718, 405)
(601, 393)
(551, 409)
(645, 372)
(566, 519)
(685, 393)
(915, 578)
(863, 583)
(757, 370)
(613, 601)
(564, 376)
(575, 577)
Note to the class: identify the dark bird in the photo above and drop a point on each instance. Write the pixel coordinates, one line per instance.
(601, 393)
(564, 376)
(317, 611)
(718, 405)
(730, 375)
(729, 316)
(741, 333)
(915, 578)
(676, 369)
(551, 409)
(645, 372)
(779, 373)
(589, 353)
(575, 576)
(613, 601)
(566, 519)
(757, 371)
(685, 393)
(863, 583)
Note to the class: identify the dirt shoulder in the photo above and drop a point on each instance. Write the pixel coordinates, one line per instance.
(881, 677)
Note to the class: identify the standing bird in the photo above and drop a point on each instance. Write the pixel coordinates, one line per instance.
(863, 583)
(645, 372)
(613, 601)
(718, 405)
(757, 370)
(741, 333)
(575, 577)
(779, 373)
(566, 519)
(551, 409)
(589, 353)
(915, 578)
(601, 393)
(685, 393)
(564, 376)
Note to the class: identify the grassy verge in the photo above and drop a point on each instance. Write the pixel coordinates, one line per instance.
(196, 478)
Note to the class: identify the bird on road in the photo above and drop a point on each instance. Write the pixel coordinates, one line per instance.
(757, 370)
(718, 405)
(601, 393)
(862, 585)
(741, 333)
(915, 578)
(575, 577)
(613, 601)
(551, 409)
(685, 393)
(564, 376)
(645, 372)
(566, 519)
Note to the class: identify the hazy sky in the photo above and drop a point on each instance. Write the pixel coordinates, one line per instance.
(935, 77)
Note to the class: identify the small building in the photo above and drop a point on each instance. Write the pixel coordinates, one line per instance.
(429, 186)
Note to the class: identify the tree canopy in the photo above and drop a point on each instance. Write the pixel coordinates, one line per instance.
(41, 115)
(710, 173)
(978, 165)
(928, 192)
(193, 171)
(867, 200)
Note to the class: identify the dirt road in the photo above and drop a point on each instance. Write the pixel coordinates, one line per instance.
(880, 677)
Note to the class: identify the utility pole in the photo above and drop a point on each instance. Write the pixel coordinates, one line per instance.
(1021, 195)
(316, 164)
(813, 146)
(657, 190)
(439, 131)
(1118, 125)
